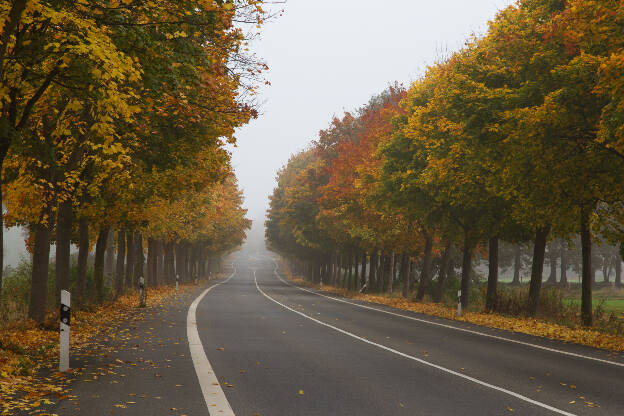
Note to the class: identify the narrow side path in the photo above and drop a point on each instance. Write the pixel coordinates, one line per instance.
(143, 368)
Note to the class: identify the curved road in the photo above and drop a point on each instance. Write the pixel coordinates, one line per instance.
(277, 349)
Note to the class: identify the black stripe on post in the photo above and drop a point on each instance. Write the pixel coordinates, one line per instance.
(65, 314)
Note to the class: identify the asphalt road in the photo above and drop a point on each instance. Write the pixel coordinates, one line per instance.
(267, 347)
(272, 359)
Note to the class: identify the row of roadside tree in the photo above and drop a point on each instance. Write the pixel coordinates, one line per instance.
(114, 119)
(519, 136)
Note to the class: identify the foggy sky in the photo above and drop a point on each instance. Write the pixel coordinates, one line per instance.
(326, 57)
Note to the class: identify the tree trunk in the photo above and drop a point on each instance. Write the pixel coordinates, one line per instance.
(83, 256)
(130, 258)
(163, 273)
(186, 260)
(537, 269)
(179, 261)
(356, 261)
(119, 268)
(350, 267)
(516, 276)
(364, 278)
(552, 258)
(191, 263)
(383, 272)
(151, 259)
(1, 234)
(41, 260)
(98, 268)
(63, 245)
(109, 259)
(169, 266)
(425, 276)
(139, 257)
(466, 267)
(618, 271)
(563, 279)
(405, 258)
(372, 278)
(491, 295)
(444, 265)
(391, 273)
(586, 285)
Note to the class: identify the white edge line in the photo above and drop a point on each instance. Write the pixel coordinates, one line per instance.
(427, 363)
(216, 402)
(527, 344)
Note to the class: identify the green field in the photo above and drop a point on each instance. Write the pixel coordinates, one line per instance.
(611, 304)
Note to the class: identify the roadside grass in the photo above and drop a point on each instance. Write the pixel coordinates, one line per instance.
(562, 322)
(28, 350)
(610, 299)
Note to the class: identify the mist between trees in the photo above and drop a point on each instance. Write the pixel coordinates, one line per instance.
(114, 117)
(517, 137)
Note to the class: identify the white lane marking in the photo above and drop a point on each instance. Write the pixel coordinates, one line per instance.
(483, 334)
(215, 399)
(411, 357)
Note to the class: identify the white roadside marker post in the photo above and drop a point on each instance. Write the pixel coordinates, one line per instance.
(177, 279)
(141, 292)
(64, 334)
(459, 311)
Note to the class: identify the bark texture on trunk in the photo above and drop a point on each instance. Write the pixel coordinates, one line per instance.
(121, 256)
(130, 258)
(405, 258)
(169, 263)
(109, 259)
(39, 284)
(425, 276)
(139, 257)
(537, 269)
(1, 237)
(179, 261)
(586, 284)
(350, 267)
(552, 259)
(151, 260)
(83, 256)
(373, 270)
(160, 263)
(563, 254)
(618, 270)
(63, 244)
(98, 268)
(356, 281)
(491, 295)
(364, 278)
(516, 276)
(391, 273)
